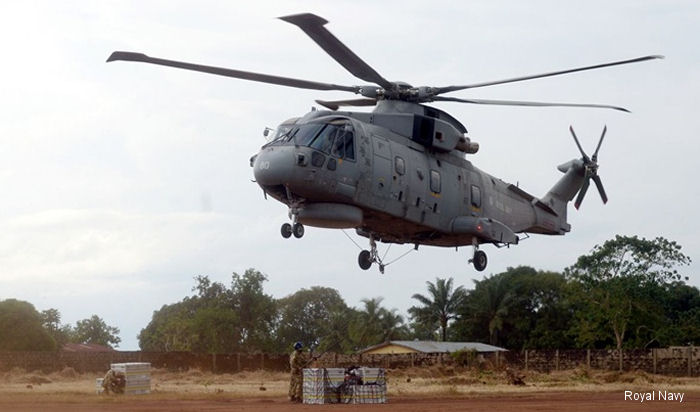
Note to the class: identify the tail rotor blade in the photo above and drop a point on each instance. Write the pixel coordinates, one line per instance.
(585, 157)
(582, 193)
(601, 190)
(600, 142)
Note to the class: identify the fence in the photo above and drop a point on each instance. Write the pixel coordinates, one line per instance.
(669, 361)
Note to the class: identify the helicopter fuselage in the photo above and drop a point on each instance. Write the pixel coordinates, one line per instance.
(355, 170)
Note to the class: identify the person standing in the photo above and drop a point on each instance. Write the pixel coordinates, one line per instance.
(297, 363)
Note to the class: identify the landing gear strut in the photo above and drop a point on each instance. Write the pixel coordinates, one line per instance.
(479, 260)
(367, 257)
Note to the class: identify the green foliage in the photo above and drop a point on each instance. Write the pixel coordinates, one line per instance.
(95, 330)
(51, 322)
(465, 357)
(521, 307)
(317, 317)
(21, 328)
(439, 307)
(217, 319)
(375, 324)
(618, 291)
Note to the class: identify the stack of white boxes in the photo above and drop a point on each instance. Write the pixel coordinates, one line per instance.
(321, 385)
(327, 385)
(138, 376)
(373, 388)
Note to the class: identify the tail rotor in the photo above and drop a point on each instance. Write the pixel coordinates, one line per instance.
(590, 165)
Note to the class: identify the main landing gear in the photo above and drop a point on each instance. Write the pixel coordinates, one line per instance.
(479, 259)
(367, 257)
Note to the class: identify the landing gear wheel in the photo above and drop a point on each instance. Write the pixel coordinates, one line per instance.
(298, 230)
(286, 230)
(479, 260)
(365, 260)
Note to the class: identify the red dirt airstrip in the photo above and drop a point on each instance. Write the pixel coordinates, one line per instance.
(540, 401)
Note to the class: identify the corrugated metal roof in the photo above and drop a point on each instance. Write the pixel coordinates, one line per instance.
(428, 346)
(86, 347)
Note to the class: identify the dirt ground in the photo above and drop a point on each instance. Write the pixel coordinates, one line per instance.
(541, 401)
(433, 389)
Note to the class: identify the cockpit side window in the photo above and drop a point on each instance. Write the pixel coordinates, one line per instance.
(324, 139)
(349, 142)
(335, 138)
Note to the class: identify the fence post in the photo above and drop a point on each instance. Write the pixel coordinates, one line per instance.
(654, 356)
(556, 359)
(335, 359)
(413, 359)
(238, 362)
(213, 362)
(588, 358)
(690, 360)
(526, 360)
(262, 361)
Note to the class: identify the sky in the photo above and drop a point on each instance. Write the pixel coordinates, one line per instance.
(120, 182)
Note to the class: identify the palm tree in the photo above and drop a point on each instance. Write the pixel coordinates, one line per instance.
(375, 324)
(491, 300)
(440, 306)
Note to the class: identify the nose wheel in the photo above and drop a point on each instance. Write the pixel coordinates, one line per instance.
(288, 229)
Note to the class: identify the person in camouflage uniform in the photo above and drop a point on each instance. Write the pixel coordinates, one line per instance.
(297, 363)
(114, 382)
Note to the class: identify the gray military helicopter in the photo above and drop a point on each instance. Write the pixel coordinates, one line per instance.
(399, 174)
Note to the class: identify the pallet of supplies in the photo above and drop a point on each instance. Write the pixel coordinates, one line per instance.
(339, 385)
(138, 376)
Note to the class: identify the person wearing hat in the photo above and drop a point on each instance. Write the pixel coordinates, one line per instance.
(297, 363)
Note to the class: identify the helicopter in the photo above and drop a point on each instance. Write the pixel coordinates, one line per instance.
(400, 174)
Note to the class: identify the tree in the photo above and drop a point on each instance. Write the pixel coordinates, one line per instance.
(317, 317)
(95, 330)
(255, 310)
(51, 322)
(217, 319)
(615, 288)
(519, 308)
(440, 307)
(375, 324)
(490, 303)
(21, 329)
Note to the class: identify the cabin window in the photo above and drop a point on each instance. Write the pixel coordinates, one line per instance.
(399, 165)
(476, 196)
(435, 181)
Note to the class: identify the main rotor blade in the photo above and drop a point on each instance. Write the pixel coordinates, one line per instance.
(448, 89)
(602, 135)
(582, 193)
(312, 25)
(524, 103)
(238, 74)
(601, 190)
(335, 104)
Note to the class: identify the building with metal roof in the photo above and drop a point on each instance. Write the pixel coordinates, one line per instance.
(428, 346)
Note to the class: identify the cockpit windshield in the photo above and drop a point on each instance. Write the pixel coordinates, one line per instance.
(335, 138)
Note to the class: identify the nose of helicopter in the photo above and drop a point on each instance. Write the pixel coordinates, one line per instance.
(273, 166)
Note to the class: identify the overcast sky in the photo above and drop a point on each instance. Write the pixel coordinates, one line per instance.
(120, 182)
